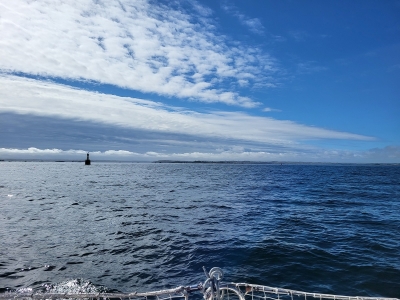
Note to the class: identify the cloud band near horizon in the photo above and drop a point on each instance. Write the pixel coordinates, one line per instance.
(49, 99)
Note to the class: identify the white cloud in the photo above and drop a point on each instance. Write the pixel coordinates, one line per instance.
(33, 150)
(383, 155)
(28, 96)
(253, 24)
(202, 10)
(268, 109)
(134, 44)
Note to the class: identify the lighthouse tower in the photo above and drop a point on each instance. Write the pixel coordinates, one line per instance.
(87, 161)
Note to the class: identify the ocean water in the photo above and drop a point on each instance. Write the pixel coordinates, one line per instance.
(146, 226)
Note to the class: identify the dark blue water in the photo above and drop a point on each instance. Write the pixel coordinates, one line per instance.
(327, 229)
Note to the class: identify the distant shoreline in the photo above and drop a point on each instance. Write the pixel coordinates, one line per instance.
(202, 162)
(266, 162)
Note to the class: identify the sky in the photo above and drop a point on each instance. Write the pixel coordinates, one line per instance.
(255, 80)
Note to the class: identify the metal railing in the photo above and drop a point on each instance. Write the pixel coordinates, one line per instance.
(212, 289)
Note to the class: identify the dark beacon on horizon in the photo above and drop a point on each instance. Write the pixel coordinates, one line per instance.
(87, 161)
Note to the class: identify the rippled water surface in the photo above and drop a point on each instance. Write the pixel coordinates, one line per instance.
(133, 226)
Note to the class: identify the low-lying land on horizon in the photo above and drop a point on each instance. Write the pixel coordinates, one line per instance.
(199, 162)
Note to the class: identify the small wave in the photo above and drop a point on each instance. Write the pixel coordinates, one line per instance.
(49, 268)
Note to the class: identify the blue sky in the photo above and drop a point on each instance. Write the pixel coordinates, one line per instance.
(314, 81)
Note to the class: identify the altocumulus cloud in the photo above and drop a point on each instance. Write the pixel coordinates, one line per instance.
(133, 44)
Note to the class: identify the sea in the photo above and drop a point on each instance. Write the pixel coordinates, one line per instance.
(148, 226)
